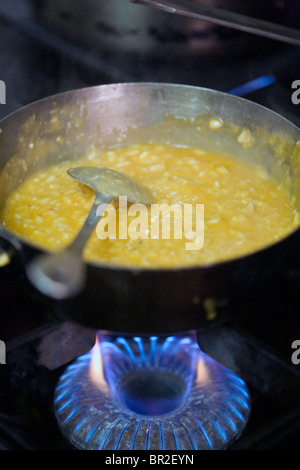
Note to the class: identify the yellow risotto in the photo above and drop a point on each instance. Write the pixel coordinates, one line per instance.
(244, 209)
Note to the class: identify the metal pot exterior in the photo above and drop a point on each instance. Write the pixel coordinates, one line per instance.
(153, 301)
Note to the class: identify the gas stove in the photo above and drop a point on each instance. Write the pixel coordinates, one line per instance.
(38, 61)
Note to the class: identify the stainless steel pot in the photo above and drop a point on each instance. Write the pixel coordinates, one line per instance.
(114, 26)
(160, 300)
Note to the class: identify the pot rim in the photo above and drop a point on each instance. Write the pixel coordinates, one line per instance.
(20, 243)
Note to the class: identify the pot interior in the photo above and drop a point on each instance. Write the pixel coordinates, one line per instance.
(68, 126)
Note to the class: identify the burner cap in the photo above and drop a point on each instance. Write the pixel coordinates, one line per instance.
(154, 400)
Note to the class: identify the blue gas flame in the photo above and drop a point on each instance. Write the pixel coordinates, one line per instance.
(206, 405)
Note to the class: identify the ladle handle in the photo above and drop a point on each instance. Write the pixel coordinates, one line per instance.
(62, 275)
(83, 236)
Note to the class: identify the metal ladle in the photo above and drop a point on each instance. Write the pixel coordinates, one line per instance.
(62, 275)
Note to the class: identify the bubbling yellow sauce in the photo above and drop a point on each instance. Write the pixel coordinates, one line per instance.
(244, 209)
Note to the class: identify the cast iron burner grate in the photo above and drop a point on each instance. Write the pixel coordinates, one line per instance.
(150, 394)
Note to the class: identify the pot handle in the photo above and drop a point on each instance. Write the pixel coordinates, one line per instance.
(9, 247)
(5, 257)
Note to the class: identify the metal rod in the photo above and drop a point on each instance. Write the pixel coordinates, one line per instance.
(226, 18)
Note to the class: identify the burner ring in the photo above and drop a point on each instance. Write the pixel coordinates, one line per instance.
(211, 415)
